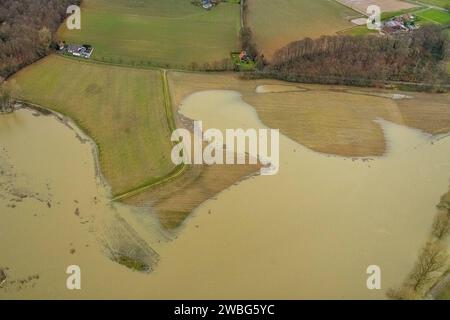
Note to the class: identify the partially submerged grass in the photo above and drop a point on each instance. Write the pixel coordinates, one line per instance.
(434, 16)
(132, 264)
(122, 109)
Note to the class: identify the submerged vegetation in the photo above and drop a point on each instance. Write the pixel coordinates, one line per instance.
(2, 277)
(433, 262)
(122, 109)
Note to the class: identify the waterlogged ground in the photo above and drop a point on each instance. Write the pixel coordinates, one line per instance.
(309, 232)
(55, 210)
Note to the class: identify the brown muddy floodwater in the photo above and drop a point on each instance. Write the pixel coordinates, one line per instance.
(309, 232)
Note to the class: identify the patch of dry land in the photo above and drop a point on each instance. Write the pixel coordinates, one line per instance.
(275, 23)
(385, 5)
(328, 119)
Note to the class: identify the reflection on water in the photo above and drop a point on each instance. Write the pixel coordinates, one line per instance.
(308, 232)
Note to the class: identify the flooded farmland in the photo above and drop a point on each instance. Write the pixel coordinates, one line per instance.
(309, 232)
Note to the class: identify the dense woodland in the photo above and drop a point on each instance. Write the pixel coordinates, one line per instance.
(27, 28)
(418, 56)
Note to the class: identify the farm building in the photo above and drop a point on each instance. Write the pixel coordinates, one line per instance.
(77, 50)
(208, 4)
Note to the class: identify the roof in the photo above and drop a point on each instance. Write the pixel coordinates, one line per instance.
(74, 47)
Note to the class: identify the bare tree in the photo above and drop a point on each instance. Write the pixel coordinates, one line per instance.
(432, 262)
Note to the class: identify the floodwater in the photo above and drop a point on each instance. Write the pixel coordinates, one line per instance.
(309, 232)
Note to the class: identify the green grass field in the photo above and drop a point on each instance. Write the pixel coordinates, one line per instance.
(438, 3)
(434, 16)
(122, 109)
(153, 32)
(276, 23)
(359, 31)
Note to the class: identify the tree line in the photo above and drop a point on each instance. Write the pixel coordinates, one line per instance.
(417, 57)
(27, 29)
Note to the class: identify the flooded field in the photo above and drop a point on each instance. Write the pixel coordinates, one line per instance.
(309, 232)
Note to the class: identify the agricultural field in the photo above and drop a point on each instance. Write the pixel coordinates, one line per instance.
(434, 16)
(122, 109)
(276, 23)
(172, 33)
(328, 119)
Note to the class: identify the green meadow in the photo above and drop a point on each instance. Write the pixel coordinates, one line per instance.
(171, 33)
(121, 108)
(434, 15)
